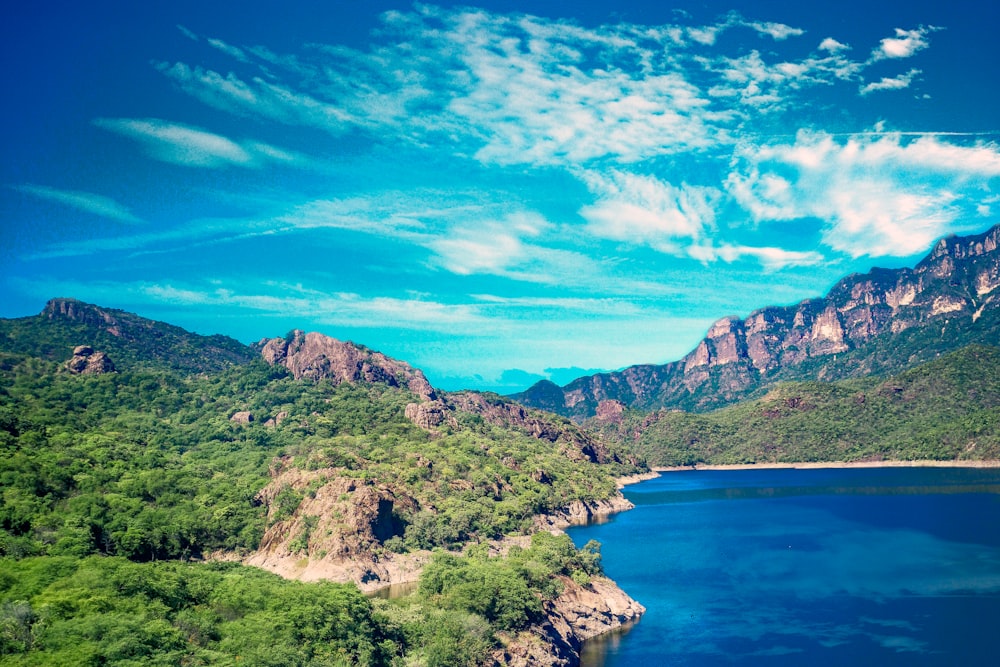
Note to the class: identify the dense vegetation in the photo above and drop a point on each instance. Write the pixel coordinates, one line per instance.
(945, 409)
(110, 611)
(115, 486)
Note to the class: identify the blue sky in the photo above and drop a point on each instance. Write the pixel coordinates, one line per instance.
(495, 192)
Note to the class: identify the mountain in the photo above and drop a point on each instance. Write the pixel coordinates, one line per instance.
(945, 409)
(135, 456)
(882, 321)
(128, 340)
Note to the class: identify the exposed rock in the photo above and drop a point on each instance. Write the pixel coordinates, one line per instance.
(242, 417)
(958, 279)
(611, 411)
(505, 413)
(277, 419)
(318, 357)
(333, 530)
(88, 362)
(130, 338)
(578, 614)
(580, 513)
(430, 415)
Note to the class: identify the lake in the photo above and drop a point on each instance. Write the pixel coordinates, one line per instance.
(853, 566)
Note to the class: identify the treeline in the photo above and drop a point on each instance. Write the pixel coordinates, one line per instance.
(945, 409)
(148, 464)
(110, 611)
(115, 487)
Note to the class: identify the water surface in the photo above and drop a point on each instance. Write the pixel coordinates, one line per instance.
(887, 566)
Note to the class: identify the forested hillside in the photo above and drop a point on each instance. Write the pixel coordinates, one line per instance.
(183, 455)
(946, 409)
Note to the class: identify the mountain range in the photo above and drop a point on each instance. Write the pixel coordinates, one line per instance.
(882, 321)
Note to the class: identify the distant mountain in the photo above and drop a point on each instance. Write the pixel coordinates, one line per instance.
(945, 409)
(883, 321)
(127, 339)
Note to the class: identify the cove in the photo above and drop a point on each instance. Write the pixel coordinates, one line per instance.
(887, 566)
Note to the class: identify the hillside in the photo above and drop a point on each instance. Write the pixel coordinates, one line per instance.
(946, 409)
(880, 322)
(309, 456)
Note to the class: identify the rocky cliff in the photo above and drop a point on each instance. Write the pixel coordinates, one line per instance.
(950, 297)
(578, 614)
(316, 357)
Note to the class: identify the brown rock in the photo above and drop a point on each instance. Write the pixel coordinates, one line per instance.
(243, 417)
(319, 357)
(430, 415)
(611, 411)
(88, 362)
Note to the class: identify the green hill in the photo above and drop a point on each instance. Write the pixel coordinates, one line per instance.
(946, 409)
(196, 446)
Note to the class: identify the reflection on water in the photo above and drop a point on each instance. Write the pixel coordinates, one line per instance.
(394, 591)
(750, 492)
(596, 649)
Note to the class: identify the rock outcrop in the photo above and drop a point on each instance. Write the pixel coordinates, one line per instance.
(322, 525)
(88, 362)
(319, 357)
(578, 614)
(957, 281)
(505, 413)
(129, 339)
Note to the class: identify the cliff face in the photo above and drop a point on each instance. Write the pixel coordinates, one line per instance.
(578, 614)
(956, 284)
(316, 356)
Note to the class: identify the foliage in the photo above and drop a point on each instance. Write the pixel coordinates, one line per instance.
(945, 409)
(109, 611)
(111, 484)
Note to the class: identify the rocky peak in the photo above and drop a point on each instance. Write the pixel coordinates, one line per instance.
(78, 311)
(959, 278)
(317, 357)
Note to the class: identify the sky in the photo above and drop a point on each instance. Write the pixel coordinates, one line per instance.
(495, 192)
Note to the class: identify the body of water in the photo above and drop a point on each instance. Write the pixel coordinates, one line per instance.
(857, 566)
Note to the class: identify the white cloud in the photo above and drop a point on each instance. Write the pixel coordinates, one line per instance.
(771, 258)
(644, 210)
(194, 147)
(881, 195)
(904, 44)
(832, 45)
(891, 83)
(523, 90)
(83, 201)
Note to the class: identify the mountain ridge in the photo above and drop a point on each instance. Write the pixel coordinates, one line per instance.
(955, 285)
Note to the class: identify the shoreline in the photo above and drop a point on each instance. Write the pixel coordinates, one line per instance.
(812, 465)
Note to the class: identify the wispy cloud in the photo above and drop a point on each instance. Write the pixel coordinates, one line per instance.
(518, 89)
(879, 195)
(891, 83)
(195, 147)
(82, 201)
(645, 210)
(905, 44)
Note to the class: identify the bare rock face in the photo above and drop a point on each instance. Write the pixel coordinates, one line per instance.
(430, 415)
(325, 526)
(318, 357)
(611, 411)
(242, 417)
(88, 362)
(277, 419)
(579, 613)
(959, 279)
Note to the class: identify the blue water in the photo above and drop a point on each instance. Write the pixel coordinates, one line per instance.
(886, 566)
